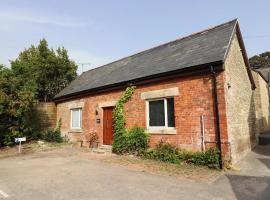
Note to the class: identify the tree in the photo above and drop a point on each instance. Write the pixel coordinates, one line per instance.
(38, 74)
(261, 60)
(51, 70)
(17, 100)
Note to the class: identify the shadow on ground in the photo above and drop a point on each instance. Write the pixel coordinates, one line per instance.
(250, 187)
(262, 150)
(265, 161)
(264, 153)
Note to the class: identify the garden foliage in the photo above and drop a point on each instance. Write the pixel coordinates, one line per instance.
(168, 153)
(53, 135)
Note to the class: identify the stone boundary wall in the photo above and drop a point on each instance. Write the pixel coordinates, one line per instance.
(261, 98)
(47, 114)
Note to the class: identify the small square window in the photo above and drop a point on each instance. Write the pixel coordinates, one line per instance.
(76, 118)
(161, 113)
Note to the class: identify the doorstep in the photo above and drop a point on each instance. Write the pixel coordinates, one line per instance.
(103, 149)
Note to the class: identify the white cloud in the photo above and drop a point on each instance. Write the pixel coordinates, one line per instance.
(87, 59)
(62, 21)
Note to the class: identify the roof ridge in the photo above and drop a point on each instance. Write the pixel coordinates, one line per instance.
(166, 43)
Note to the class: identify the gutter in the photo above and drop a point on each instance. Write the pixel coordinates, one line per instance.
(216, 110)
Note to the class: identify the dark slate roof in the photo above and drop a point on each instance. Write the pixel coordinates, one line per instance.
(204, 47)
(264, 72)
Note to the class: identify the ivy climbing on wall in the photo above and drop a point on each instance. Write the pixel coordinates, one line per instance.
(119, 120)
(127, 141)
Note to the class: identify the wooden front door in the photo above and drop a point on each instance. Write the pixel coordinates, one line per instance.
(107, 126)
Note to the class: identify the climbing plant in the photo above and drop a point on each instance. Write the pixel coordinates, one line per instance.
(119, 121)
(118, 112)
(127, 141)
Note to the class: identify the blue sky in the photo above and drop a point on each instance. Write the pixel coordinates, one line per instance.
(101, 31)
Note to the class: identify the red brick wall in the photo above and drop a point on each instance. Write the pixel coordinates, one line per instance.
(195, 99)
(226, 148)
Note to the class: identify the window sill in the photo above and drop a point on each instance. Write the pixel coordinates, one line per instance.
(165, 131)
(75, 131)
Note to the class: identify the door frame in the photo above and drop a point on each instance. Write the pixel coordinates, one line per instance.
(103, 120)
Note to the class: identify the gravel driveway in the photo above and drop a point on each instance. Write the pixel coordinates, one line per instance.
(53, 175)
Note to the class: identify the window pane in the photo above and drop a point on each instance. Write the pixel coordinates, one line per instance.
(170, 112)
(156, 113)
(76, 118)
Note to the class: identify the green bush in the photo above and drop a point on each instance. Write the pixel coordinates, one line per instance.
(53, 135)
(208, 158)
(168, 153)
(136, 140)
(119, 144)
(164, 152)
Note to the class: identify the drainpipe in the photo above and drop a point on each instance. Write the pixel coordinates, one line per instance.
(202, 132)
(268, 85)
(216, 111)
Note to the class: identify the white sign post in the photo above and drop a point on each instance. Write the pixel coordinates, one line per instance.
(20, 140)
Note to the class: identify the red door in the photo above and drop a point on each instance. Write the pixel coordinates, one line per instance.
(107, 126)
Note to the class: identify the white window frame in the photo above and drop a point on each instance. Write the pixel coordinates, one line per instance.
(80, 118)
(165, 113)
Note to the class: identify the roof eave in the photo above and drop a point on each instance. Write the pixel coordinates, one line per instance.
(190, 70)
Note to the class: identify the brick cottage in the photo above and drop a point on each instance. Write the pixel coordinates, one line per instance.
(195, 92)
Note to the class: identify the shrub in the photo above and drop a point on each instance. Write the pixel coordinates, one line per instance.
(120, 144)
(136, 140)
(133, 141)
(164, 152)
(208, 158)
(53, 135)
(168, 153)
